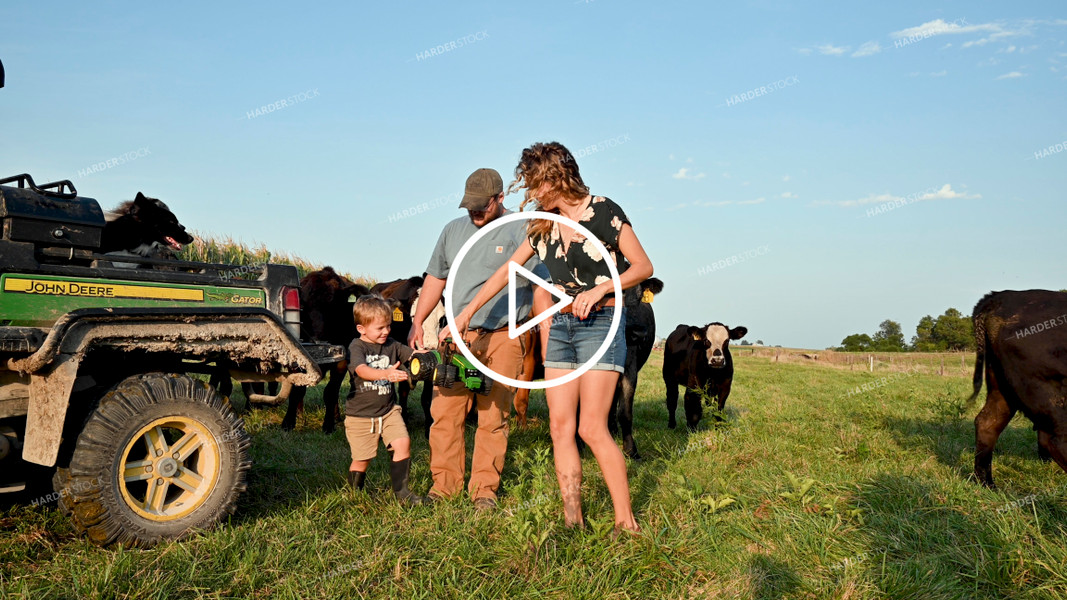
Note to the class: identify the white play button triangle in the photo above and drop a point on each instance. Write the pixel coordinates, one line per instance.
(564, 300)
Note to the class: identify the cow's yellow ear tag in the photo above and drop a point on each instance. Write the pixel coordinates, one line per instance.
(696, 337)
(352, 298)
(398, 315)
(647, 297)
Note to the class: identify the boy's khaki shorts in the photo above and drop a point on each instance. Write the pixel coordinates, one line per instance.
(363, 433)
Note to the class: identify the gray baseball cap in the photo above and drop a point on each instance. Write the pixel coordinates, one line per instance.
(482, 186)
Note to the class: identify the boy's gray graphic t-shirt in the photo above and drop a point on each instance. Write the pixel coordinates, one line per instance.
(373, 398)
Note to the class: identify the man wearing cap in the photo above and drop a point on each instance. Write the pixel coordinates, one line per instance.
(487, 338)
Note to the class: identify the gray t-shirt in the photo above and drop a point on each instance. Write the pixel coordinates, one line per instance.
(481, 261)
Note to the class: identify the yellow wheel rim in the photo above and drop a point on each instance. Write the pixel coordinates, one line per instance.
(169, 468)
(415, 366)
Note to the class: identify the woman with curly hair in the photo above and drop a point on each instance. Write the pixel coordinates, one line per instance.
(549, 174)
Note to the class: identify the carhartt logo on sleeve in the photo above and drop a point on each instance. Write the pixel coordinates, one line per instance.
(499, 249)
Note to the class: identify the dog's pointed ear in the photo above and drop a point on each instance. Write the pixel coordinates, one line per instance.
(140, 200)
(738, 332)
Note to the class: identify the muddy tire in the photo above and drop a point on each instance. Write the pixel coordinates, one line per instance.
(160, 457)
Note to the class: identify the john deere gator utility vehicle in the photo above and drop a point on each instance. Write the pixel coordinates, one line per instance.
(102, 370)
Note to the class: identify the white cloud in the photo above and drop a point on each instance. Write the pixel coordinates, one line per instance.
(939, 74)
(804, 51)
(689, 160)
(946, 46)
(726, 175)
(1012, 75)
(788, 195)
(787, 178)
(671, 157)
(683, 173)
(717, 203)
(940, 27)
(945, 192)
(1007, 50)
(867, 49)
(831, 50)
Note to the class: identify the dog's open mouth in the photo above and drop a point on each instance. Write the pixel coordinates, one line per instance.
(173, 243)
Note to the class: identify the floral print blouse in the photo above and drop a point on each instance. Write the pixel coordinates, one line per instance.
(580, 267)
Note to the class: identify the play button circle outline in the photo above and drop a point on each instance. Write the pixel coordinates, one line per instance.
(450, 315)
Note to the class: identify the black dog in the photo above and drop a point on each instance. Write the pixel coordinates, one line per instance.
(699, 358)
(143, 227)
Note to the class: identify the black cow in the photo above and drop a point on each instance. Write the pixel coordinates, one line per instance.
(402, 294)
(325, 316)
(1021, 342)
(640, 336)
(699, 358)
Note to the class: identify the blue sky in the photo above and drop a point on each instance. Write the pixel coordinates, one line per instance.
(863, 107)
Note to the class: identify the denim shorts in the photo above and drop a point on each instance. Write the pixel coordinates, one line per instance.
(572, 342)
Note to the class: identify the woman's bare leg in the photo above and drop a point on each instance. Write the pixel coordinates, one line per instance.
(562, 423)
(596, 391)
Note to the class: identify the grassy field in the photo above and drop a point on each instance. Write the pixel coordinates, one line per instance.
(807, 491)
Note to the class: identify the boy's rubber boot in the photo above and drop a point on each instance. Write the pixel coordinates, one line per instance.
(399, 470)
(356, 479)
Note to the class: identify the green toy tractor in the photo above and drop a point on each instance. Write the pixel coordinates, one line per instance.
(447, 367)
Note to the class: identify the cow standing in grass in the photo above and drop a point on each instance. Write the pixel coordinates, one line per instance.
(699, 358)
(1021, 342)
(402, 294)
(640, 336)
(325, 316)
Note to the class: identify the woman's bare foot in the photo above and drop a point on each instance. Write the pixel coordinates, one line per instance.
(630, 526)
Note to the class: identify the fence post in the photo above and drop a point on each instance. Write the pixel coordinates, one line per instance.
(942, 365)
(871, 359)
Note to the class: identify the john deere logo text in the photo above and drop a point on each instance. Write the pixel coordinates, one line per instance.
(89, 289)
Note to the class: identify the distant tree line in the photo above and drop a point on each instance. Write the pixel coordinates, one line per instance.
(949, 332)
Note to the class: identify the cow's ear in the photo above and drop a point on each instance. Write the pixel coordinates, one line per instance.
(653, 285)
(695, 332)
(738, 332)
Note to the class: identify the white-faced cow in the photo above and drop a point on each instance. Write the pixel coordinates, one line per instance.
(699, 358)
(1021, 342)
